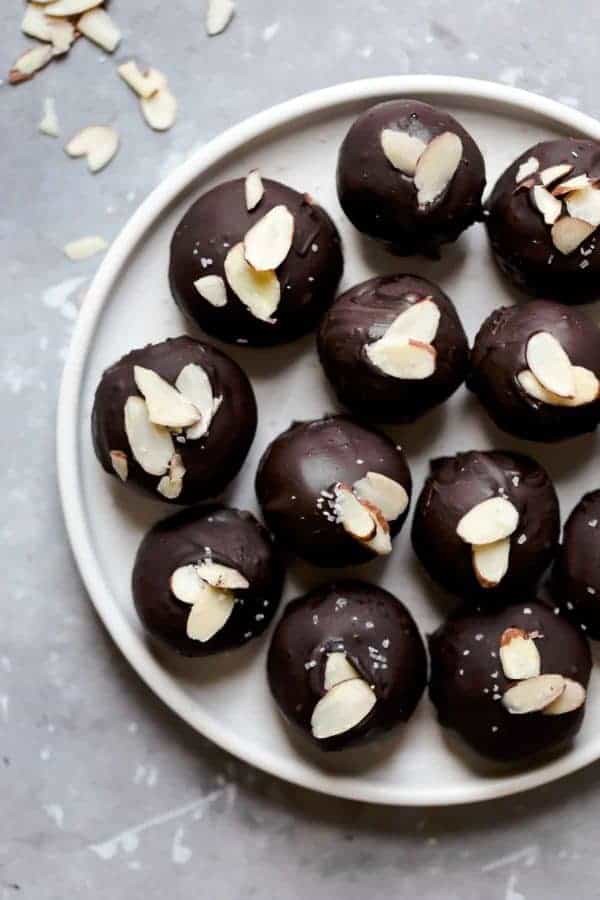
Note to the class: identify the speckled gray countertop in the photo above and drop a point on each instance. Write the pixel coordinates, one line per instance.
(104, 792)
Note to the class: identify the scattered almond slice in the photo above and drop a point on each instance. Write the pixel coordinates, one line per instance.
(353, 516)
(488, 521)
(342, 708)
(569, 233)
(519, 655)
(151, 445)
(579, 182)
(587, 388)
(49, 121)
(35, 23)
(166, 405)
(144, 83)
(70, 7)
(529, 167)
(385, 493)
(260, 292)
(85, 247)
(62, 35)
(402, 357)
(437, 166)
(550, 364)
(338, 669)
(420, 322)
(160, 110)
(268, 242)
(98, 143)
(171, 484)
(571, 699)
(548, 205)
(533, 694)
(194, 384)
(212, 288)
(402, 150)
(553, 173)
(220, 576)
(210, 613)
(490, 562)
(381, 542)
(584, 204)
(97, 26)
(118, 461)
(254, 189)
(29, 63)
(219, 14)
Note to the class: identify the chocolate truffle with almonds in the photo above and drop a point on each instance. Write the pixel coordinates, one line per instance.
(486, 524)
(175, 419)
(542, 218)
(346, 663)
(253, 261)
(409, 175)
(393, 348)
(535, 369)
(512, 683)
(576, 577)
(207, 579)
(333, 492)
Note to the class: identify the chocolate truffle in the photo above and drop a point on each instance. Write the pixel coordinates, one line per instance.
(255, 262)
(576, 576)
(511, 682)
(346, 663)
(206, 579)
(333, 492)
(393, 348)
(175, 419)
(535, 369)
(410, 176)
(486, 524)
(542, 217)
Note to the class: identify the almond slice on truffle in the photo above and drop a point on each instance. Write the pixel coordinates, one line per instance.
(160, 109)
(569, 233)
(353, 516)
(98, 143)
(118, 461)
(212, 288)
(220, 576)
(342, 708)
(338, 668)
(29, 63)
(571, 699)
(97, 26)
(420, 322)
(194, 384)
(254, 189)
(171, 484)
(579, 182)
(151, 445)
(70, 7)
(587, 388)
(143, 83)
(268, 242)
(526, 169)
(385, 493)
(186, 584)
(402, 357)
(381, 542)
(584, 204)
(210, 613)
(553, 173)
(550, 364)
(218, 16)
(533, 694)
(437, 167)
(519, 655)
(402, 150)
(490, 562)
(260, 292)
(166, 405)
(548, 205)
(488, 521)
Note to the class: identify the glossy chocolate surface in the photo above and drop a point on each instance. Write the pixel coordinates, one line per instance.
(576, 577)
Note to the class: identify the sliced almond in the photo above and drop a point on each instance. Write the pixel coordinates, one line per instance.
(186, 584)
(338, 669)
(579, 182)
(402, 150)
(29, 63)
(549, 206)
(97, 26)
(166, 405)
(85, 247)
(342, 708)
(519, 655)
(98, 143)
(62, 35)
(254, 189)
(381, 542)
(268, 242)
(260, 292)
(151, 445)
(569, 233)
(144, 83)
(553, 173)
(585, 205)
(49, 122)
(353, 515)
(571, 699)
(402, 357)
(221, 576)
(488, 521)
(550, 364)
(212, 288)
(160, 109)
(419, 322)
(70, 7)
(219, 14)
(437, 166)
(210, 613)
(35, 23)
(533, 694)
(118, 461)
(171, 485)
(490, 562)
(587, 388)
(529, 167)
(385, 493)
(194, 384)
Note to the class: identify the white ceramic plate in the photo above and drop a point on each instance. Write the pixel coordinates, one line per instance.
(129, 304)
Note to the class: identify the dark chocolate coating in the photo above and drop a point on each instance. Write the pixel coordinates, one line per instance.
(576, 576)
(362, 315)
(382, 202)
(522, 242)
(309, 458)
(235, 539)
(210, 462)
(457, 484)
(308, 276)
(380, 639)
(466, 675)
(499, 355)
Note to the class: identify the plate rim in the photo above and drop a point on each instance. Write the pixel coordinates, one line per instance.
(68, 423)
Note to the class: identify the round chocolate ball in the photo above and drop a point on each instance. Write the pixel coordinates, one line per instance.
(538, 220)
(485, 680)
(333, 492)
(175, 419)
(576, 576)
(486, 524)
(410, 176)
(393, 348)
(207, 579)
(346, 663)
(296, 261)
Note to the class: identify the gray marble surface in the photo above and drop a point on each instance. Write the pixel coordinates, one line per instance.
(104, 792)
